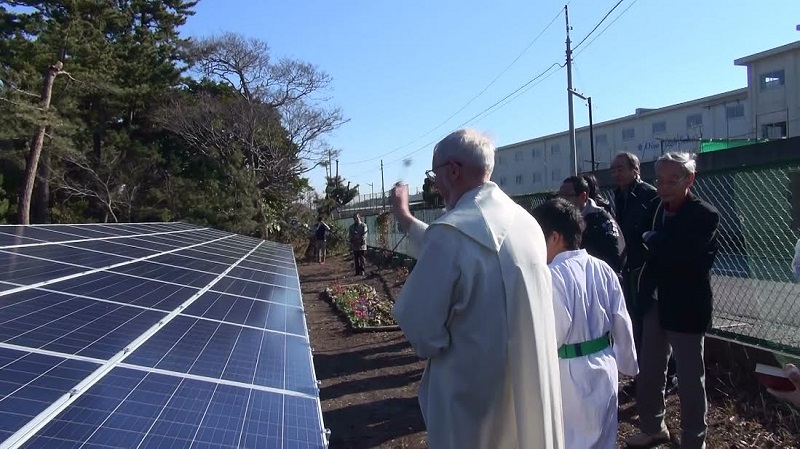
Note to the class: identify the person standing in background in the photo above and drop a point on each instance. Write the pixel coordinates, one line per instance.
(677, 304)
(635, 204)
(602, 237)
(320, 239)
(594, 193)
(358, 242)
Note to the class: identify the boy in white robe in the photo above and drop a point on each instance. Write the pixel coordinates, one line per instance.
(590, 314)
(478, 306)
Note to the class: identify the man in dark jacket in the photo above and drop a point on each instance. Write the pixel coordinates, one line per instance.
(676, 299)
(602, 237)
(635, 202)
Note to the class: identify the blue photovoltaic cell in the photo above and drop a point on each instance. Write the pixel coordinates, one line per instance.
(226, 248)
(189, 238)
(261, 276)
(257, 290)
(66, 254)
(250, 312)
(31, 382)
(146, 228)
(275, 252)
(268, 267)
(188, 262)
(79, 232)
(135, 409)
(152, 242)
(128, 290)
(112, 247)
(109, 230)
(71, 325)
(38, 233)
(277, 262)
(12, 240)
(229, 352)
(199, 253)
(175, 275)
(26, 270)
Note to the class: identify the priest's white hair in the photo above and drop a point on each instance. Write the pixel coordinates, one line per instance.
(469, 147)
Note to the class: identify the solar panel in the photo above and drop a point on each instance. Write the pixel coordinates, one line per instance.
(152, 335)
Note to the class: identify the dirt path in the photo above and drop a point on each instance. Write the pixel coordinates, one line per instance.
(369, 381)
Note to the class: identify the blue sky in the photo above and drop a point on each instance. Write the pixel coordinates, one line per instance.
(402, 69)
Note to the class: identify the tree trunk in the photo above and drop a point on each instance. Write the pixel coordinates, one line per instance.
(41, 203)
(32, 161)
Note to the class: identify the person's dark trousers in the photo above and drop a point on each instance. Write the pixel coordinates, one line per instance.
(630, 283)
(358, 260)
(687, 348)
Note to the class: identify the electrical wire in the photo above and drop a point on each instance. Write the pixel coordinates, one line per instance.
(535, 39)
(598, 25)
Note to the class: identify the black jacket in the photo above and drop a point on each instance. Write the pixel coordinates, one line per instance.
(602, 237)
(679, 256)
(634, 213)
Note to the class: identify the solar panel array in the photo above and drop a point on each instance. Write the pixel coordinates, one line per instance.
(162, 335)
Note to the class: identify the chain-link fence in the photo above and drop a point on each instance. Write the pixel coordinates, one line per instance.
(756, 300)
(755, 297)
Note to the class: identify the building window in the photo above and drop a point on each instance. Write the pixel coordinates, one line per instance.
(537, 178)
(628, 134)
(536, 153)
(772, 80)
(502, 181)
(734, 111)
(659, 127)
(555, 149)
(555, 175)
(518, 156)
(600, 139)
(694, 121)
(518, 180)
(773, 130)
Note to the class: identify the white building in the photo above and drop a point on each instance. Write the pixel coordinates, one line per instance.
(768, 108)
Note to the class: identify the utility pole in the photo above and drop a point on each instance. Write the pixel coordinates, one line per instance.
(329, 168)
(383, 188)
(337, 168)
(573, 149)
(591, 124)
(591, 134)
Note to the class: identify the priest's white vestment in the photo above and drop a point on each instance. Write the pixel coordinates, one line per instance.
(478, 306)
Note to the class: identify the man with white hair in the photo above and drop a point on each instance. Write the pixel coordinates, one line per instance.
(676, 302)
(478, 306)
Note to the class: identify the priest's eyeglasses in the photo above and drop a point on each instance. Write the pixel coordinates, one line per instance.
(431, 174)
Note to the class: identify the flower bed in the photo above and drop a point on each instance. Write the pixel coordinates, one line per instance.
(362, 307)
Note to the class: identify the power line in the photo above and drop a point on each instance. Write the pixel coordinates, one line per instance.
(525, 90)
(535, 39)
(598, 25)
(607, 27)
(427, 145)
(512, 93)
